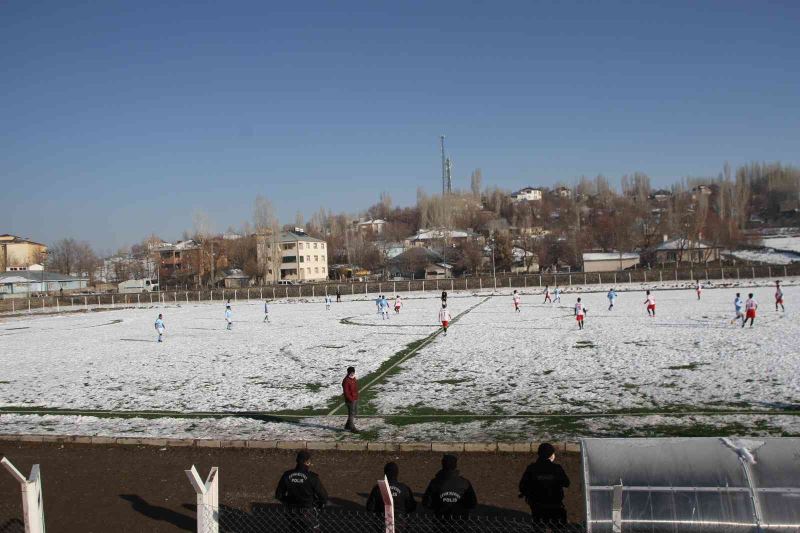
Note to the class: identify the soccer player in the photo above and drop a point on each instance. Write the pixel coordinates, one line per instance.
(444, 297)
(338, 296)
(266, 311)
(228, 316)
(398, 303)
(580, 312)
(612, 297)
(327, 303)
(445, 318)
(384, 306)
(750, 307)
(516, 301)
(779, 296)
(651, 304)
(698, 288)
(557, 294)
(378, 302)
(160, 327)
(738, 306)
(547, 295)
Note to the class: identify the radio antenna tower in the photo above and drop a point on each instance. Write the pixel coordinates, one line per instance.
(444, 168)
(447, 167)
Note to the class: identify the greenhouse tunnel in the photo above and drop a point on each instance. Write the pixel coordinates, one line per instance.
(692, 484)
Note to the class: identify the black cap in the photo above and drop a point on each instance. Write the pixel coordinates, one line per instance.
(545, 450)
(449, 462)
(303, 457)
(351, 370)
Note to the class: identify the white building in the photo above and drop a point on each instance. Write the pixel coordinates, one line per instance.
(428, 238)
(609, 261)
(528, 194)
(375, 226)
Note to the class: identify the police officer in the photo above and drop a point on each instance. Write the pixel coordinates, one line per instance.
(543, 486)
(301, 491)
(448, 494)
(402, 496)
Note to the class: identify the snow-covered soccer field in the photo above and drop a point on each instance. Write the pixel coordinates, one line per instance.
(497, 374)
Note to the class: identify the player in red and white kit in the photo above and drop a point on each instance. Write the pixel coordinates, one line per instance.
(445, 318)
(750, 307)
(651, 304)
(779, 296)
(516, 299)
(547, 295)
(698, 289)
(580, 312)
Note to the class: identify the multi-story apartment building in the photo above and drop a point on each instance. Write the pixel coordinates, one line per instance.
(18, 254)
(293, 256)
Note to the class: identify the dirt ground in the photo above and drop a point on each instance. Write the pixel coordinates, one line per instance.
(97, 489)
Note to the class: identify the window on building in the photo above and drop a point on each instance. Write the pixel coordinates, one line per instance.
(300, 245)
(308, 258)
(316, 270)
(301, 258)
(316, 258)
(315, 246)
(322, 245)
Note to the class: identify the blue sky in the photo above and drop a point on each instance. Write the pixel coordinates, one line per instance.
(118, 119)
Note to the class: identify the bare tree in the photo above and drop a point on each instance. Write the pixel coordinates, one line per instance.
(475, 182)
(269, 253)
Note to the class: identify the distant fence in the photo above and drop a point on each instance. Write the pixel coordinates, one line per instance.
(319, 290)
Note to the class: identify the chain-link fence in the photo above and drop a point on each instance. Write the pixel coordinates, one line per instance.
(11, 516)
(284, 519)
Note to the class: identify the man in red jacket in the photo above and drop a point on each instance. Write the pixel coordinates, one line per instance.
(350, 386)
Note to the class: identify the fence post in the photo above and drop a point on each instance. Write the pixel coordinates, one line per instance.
(616, 509)
(540, 280)
(388, 505)
(452, 285)
(769, 271)
(423, 285)
(645, 275)
(629, 278)
(784, 271)
(273, 293)
(58, 306)
(722, 271)
(32, 505)
(312, 291)
(248, 294)
(495, 283)
(584, 278)
(480, 283)
(753, 270)
(112, 300)
(207, 499)
(660, 275)
(13, 307)
(261, 293)
(85, 302)
(570, 280)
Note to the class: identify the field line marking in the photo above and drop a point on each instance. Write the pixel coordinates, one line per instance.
(429, 339)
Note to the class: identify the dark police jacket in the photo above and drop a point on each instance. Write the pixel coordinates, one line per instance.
(449, 494)
(300, 487)
(402, 497)
(543, 484)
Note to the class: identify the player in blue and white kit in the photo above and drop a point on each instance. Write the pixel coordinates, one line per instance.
(327, 303)
(228, 316)
(738, 305)
(160, 327)
(612, 297)
(557, 295)
(266, 311)
(384, 308)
